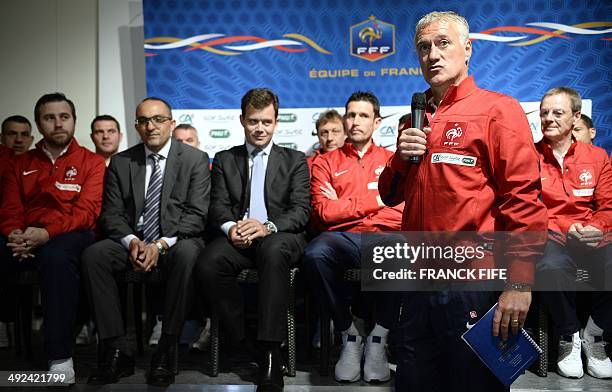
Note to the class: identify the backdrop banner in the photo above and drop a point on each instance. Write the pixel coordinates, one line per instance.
(202, 56)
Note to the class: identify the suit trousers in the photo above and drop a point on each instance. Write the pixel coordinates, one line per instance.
(103, 260)
(326, 258)
(558, 269)
(57, 262)
(431, 356)
(272, 256)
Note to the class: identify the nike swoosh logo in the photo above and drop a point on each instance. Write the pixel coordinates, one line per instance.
(468, 325)
(543, 178)
(27, 173)
(338, 174)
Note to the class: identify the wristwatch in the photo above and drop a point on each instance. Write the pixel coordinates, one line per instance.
(160, 248)
(270, 227)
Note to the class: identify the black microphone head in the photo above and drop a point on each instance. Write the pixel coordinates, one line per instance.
(418, 101)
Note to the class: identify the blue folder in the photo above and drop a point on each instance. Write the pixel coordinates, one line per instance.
(507, 360)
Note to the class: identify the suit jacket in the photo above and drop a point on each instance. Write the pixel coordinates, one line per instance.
(185, 192)
(287, 188)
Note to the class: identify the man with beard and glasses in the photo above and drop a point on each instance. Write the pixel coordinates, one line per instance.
(52, 199)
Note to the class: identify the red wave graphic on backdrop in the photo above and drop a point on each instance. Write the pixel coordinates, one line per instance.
(210, 42)
(559, 31)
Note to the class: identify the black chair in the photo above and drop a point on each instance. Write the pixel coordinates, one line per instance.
(542, 333)
(251, 276)
(25, 283)
(138, 280)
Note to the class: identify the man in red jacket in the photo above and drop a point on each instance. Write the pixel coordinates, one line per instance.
(17, 134)
(478, 172)
(52, 198)
(330, 131)
(577, 189)
(346, 202)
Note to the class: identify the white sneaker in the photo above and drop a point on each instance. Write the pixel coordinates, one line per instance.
(202, 342)
(597, 361)
(376, 365)
(65, 367)
(316, 338)
(348, 367)
(156, 333)
(4, 338)
(569, 363)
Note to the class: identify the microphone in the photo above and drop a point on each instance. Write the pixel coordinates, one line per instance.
(418, 117)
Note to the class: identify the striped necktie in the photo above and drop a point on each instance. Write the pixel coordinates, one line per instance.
(152, 202)
(257, 204)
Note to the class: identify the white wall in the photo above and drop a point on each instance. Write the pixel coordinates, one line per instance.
(121, 67)
(48, 46)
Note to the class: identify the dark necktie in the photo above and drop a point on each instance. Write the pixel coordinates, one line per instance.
(150, 226)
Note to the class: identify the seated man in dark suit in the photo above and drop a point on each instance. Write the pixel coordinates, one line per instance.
(259, 206)
(154, 211)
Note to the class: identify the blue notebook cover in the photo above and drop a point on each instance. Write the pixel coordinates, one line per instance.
(507, 360)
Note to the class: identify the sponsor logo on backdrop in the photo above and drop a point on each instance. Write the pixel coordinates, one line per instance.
(372, 39)
(292, 146)
(289, 132)
(186, 119)
(287, 117)
(387, 131)
(215, 147)
(221, 117)
(219, 133)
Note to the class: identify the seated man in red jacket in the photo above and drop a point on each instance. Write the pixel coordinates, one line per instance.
(577, 190)
(330, 131)
(346, 202)
(51, 200)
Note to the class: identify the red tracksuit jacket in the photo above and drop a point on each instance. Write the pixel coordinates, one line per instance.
(61, 197)
(356, 183)
(480, 174)
(581, 192)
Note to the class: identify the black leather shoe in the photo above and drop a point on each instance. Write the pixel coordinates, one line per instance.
(116, 364)
(270, 372)
(164, 366)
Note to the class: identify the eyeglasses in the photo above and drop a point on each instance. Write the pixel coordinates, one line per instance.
(156, 120)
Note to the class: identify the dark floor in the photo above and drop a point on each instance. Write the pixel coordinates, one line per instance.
(237, 374)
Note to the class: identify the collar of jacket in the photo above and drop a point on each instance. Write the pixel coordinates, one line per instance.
(457, 92)
(350, 150)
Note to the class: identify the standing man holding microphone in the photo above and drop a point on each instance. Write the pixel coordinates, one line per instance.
(477, 171)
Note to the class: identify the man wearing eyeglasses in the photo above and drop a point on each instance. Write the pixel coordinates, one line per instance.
(577, 190)
(153, 212)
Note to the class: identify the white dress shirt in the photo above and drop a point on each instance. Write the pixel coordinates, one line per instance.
(250, 148)
(149, 170)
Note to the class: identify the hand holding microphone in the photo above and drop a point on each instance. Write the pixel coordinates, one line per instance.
(412, 142)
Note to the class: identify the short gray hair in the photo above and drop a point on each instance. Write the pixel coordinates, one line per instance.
(447, 16)
(573, 95)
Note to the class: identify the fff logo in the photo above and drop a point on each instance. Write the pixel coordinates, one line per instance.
(372, 39)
